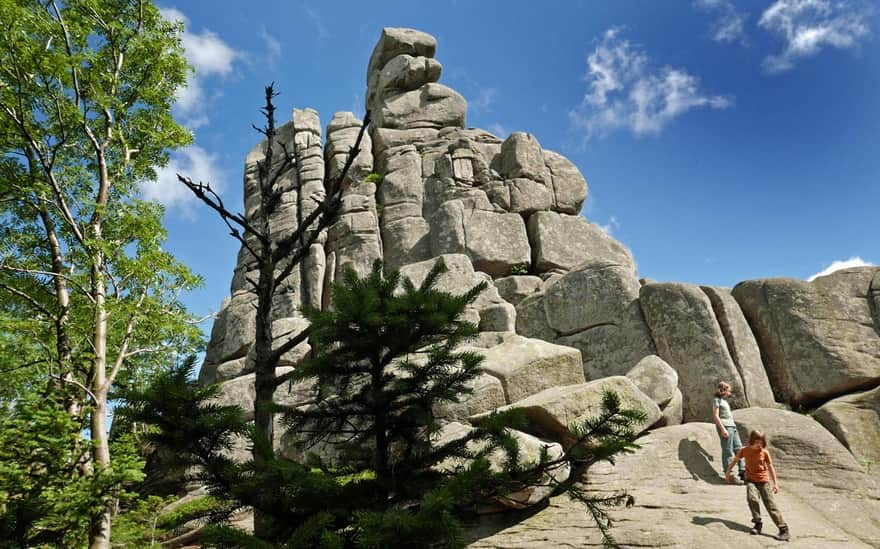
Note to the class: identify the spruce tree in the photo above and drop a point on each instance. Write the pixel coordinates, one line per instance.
(386, 354)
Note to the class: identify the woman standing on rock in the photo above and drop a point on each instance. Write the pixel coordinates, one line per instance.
(723, 419)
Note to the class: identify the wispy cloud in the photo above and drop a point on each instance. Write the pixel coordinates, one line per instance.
(729, 25)
(209, 56)
(192, 161)
(482, 103)
(610, 227)
(809, 26)
(842, 264)
(625, 92)
(317, 23)
(498, 130)
(273, 46)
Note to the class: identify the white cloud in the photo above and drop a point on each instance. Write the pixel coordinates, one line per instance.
(729, 26)
(625, 92)
(610, 227)
(193, 162)
(809, 26)
(498, 130)
(483, 102)
(844, 264)
(209, 56)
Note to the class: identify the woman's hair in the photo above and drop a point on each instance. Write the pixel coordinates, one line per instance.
(721, 388)
(757, 435)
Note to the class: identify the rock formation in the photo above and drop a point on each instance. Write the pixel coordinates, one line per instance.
(566, 316)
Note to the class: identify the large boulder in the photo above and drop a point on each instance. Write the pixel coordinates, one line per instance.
(400, 41)
(527, 366)
(241, 392)
(553, 411)
(495, 242)
(522, 157)
(673, 412)
(690, 340)
(213, 373)
(855, 421)
(487, 394)
(234, 329)
(460, 278)
(656, 379)
(431, 106)
(595, 309)
(569, 186)
(818, 339)
(742, 346)
(515, 288)
(560, 242)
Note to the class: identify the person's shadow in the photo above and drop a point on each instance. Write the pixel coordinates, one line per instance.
(703, 521)
(698, 462)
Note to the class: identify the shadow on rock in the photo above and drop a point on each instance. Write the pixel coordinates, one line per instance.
(698, 462)
(704, 521)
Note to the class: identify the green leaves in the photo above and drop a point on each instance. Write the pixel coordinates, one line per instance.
(46, 494)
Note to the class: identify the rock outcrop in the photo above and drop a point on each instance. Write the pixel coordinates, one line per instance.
(565, 316)
(819, 339)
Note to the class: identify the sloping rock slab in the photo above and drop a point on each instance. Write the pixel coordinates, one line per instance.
(818, 339)
(681, 501)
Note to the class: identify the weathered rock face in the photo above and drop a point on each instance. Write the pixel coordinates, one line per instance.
(818, 339)
(855, 421)
(552, 411)
(564, 316)
(689, 338)
(595, 309)
(655, 378)
(702, 333)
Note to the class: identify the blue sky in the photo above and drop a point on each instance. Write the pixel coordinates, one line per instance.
(721, 140)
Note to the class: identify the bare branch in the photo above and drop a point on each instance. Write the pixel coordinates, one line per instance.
(204, 192)
(288, 345)
(77, 383)
(49, 273)
(331, 200)
(30, 299)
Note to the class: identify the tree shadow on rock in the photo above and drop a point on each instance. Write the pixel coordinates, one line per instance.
(484, 526)
(698, 462)
(731, 525)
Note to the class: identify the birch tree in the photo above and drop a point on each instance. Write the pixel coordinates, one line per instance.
(86, 88)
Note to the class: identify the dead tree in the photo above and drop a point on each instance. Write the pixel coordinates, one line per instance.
(276, 259)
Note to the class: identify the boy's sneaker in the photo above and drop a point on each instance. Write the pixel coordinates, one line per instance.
(756, 529)
(783, 534)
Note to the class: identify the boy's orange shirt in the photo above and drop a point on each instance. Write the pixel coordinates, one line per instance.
(757, 460)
